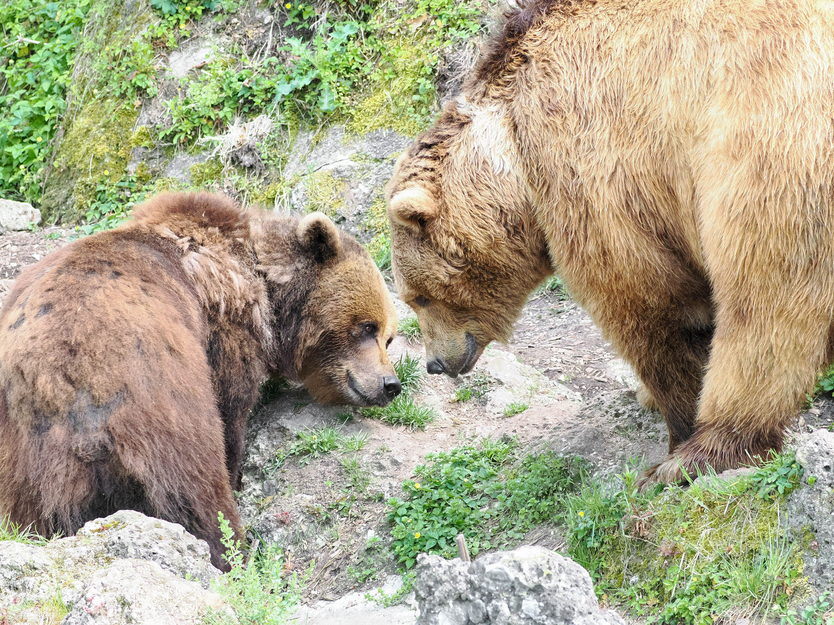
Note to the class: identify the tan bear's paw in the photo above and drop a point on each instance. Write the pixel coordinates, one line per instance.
(670, 471)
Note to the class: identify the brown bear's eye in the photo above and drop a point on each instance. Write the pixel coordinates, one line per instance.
(388, 342)
(370, 328)
(422, 301)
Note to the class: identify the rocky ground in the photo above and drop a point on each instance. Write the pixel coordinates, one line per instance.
(581, 401)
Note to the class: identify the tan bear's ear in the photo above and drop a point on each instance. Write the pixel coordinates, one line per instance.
(319, 237)
(412, 207)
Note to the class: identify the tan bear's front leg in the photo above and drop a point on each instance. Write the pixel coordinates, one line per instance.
(760, 370)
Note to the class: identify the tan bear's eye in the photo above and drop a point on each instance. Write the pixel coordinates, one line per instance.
(370, 328)
(422, 301)
(388, 342)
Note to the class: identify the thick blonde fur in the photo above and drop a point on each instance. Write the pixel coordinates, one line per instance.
(673, 162)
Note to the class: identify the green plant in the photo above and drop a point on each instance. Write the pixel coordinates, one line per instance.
(383, 599)
(515, 408)
(40, 40)
(820, 612)
(777, 478)
(409, 327)
(825, 381)
(380, 250)
(260, 593)
(403, 410)
(311, 444)
(477, 386)
(111, 204)
(552, 285)
(487, 494)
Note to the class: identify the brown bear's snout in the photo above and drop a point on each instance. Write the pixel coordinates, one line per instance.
(391, 385)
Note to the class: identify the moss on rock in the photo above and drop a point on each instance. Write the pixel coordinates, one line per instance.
(95, 150)
(325, 193)
(391, 104)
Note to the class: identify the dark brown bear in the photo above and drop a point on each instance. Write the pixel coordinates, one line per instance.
(129, 360)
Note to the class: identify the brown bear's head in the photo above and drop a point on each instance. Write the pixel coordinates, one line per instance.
(466, 250)
(333, 311)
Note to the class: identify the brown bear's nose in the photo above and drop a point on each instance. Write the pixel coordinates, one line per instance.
(392, 386)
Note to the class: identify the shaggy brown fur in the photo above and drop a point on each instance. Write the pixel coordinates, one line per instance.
(129, 360)
(673, 162)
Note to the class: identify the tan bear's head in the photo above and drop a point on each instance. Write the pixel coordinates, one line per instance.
(339, 317)
(465, 248)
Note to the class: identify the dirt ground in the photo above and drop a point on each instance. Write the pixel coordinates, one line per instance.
(582, 402)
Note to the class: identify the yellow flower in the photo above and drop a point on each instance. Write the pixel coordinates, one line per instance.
(417, 535)
(40, 139)
(288, 5)
(106, 172)
(581, 513)
(417, 485)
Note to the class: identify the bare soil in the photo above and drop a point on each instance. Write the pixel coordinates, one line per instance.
(584, 404)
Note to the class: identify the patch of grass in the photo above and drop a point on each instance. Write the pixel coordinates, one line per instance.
(355, 442)
(463, 393)
(410, 372)
(488, 493)
(260, 592)
(357, 474)
(403, 410)
(714, 550)
(310, 444)
(12, 532)
(409, 327)
(111, 204)
(380, 251)
(515, 408)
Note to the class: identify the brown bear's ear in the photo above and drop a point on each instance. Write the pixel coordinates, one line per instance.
(319, 237)
(412, 207)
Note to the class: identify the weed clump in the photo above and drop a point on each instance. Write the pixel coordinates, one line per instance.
(490, 494)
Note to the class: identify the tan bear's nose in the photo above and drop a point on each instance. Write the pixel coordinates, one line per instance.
(392, 386)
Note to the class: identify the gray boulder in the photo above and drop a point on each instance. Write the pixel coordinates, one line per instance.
(140, 592)
(126, 559)
(17, 215)
(811, 508)
(531, 585)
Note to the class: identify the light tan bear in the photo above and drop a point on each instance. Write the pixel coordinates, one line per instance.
(129, 360)
(673, 162)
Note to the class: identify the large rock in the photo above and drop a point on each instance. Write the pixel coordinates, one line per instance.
(156, 561)
(528, 586)
(17, 215)
(811, 508)
(140, 592)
